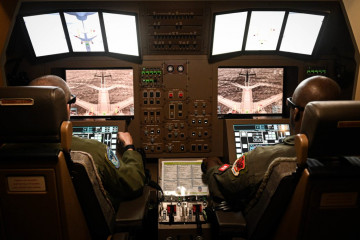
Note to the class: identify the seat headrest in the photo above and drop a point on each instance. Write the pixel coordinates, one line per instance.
(31, 114)
(332, 128)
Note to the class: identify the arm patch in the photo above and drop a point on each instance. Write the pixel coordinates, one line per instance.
(111, 156)
(239, 166)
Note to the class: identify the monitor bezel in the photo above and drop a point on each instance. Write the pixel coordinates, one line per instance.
(106, 117)
(251, 115)
(230, 136)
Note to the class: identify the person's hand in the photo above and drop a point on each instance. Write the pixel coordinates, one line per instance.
(209, 163)
(125, 138)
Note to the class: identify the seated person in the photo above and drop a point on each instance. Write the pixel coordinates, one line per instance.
(123, 178)
(237, 184)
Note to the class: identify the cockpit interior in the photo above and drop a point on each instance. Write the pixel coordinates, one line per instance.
(189, 80)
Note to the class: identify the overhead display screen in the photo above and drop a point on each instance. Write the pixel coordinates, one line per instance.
(250, 90)
(301, 33)
(101, 92)
(84, 31)
(121, 33)
(264, 30)
(46, 34)
(228, 32)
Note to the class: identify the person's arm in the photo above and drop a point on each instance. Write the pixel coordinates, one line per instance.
(225, 181)
(131, 171)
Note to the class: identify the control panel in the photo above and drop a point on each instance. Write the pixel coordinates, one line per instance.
(189, 209)
(171, 121)
(175, 31)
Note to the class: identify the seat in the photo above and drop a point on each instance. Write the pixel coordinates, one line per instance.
(37, 198)
(315, 196)
(260, 219)
(325, 204)
(47, 191)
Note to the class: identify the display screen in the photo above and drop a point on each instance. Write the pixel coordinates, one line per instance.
(121, 33)
(301, 33)
(229, 32)
(101, 92)
(104, 134)
(46, 34)
(264, 30)
(251, 136)
(84, 31)
(250, 90)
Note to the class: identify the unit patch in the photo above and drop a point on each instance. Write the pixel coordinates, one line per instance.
(111, 156)
(239, 165)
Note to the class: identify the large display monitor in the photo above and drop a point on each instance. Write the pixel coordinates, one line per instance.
(301, 33)
(228, 34)
(84, 31)
(46, 34)
(122, 33)
(101, 92)
(250, 90)
(244, 135)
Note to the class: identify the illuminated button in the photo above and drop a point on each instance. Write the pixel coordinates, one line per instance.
(180, 68)
(171, 94)
(181, 94)
(170, 68)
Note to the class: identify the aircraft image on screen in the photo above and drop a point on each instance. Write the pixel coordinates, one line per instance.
(84, 26)
(101, 92)
(250, 90)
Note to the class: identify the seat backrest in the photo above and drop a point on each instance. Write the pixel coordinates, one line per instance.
(97, 208)
(326, 203)
(37, 198)
(267, 208)
(331, 128)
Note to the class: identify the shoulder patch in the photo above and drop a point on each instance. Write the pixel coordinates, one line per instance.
(239, 165)
(111, 156)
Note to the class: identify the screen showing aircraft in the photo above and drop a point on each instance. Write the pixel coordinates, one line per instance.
(250, 90)
(101, 92)
(84, 31)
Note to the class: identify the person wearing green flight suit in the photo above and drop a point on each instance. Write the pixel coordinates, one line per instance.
(123, 178)
(238, 183)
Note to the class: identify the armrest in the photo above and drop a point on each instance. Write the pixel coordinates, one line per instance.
(231, 223)
(131, 213)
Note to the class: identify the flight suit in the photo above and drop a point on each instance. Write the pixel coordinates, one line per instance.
(123, 178)
(238, 183)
